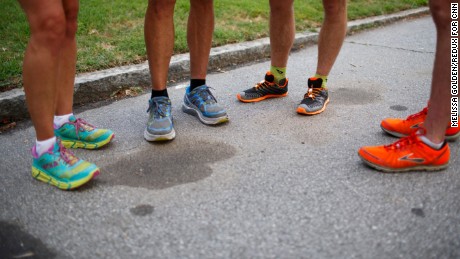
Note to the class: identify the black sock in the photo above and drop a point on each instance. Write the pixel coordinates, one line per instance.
(156, 93)
(194, 83)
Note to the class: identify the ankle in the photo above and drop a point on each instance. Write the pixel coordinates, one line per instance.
(59, 120)
(42, 146)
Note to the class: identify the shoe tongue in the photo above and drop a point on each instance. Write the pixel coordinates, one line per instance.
(269, 77)
(314, 82)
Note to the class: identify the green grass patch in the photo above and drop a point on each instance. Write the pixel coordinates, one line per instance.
(110, 32)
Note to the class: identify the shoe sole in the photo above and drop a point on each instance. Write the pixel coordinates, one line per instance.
(400, 170)
(151, 137)
(203, 119)
(399, 135)
(67, 186)
(86, 145)
(302, 111)
(260, 98)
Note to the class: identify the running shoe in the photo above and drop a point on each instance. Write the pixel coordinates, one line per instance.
(77, 133)
(265, 89)
(316, 98)
(404, 127)
(60, 168)
(160, 125)
(407, 154)
(201, 103)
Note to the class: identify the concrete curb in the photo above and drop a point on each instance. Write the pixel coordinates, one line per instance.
(100, 85)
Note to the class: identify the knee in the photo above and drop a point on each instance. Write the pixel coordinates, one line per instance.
(281, 6)
(50, 31)
(335, 10)
(161, 8)
(205, 4)
(440, 10)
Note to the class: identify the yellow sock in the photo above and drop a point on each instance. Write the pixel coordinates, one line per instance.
(278, 72)
(324, 80)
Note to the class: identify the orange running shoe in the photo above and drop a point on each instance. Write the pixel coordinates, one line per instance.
(407, 154)
(404, 127)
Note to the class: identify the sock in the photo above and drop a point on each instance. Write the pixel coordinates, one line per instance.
(156, 93)
(44, 145)
(278, 72)
(61, 119)
(194, 83)
(430, 143)
(324, 80)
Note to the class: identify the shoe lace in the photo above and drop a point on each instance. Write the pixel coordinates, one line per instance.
(312, 93)
(160, 108)
(66, 155)
(418, 114)
(409, 140)
(81, 125)
(206, 95)
(263, 84)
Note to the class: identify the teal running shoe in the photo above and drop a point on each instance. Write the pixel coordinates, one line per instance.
(60, 168)
(160, 124)
(77, 133)
(201, 103)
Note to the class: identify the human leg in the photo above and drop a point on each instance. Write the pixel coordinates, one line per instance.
(52, 163)
(159, 41)
(331, 37)
(198, 99)
(424, 149)
(41, 60)
(282, 34)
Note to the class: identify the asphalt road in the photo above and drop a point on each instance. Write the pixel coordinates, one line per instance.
(269, 184)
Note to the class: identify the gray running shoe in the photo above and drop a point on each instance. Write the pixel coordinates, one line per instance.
(265, 89)
(201, 103)
(316, 98)
(160, 123)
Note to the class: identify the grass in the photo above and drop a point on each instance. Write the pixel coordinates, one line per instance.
(110, 32)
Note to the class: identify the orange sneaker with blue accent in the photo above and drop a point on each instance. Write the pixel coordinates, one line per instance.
(404, 127)
(407, 154)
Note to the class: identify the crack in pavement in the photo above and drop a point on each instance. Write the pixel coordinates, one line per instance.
(388, 47)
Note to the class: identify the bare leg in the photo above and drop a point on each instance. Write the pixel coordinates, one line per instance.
(67, 60)
(282, 31)
(200, 28)
(40, 68)
(159, 40)
(332, 34)
(438, 117)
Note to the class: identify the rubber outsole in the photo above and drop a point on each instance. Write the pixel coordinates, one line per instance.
(67, 186)
(204, 120)
(151, 137)
(401, 170)
(68, 143)
(302, 111)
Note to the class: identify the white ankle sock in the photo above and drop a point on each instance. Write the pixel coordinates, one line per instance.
(61, 119)
(431, 143)
(44, 145)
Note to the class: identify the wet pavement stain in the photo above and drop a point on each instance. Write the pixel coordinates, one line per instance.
(160, 166)
(15, 243)
(360, 93)
(398, 107)
(142, 210)
(418, 212)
